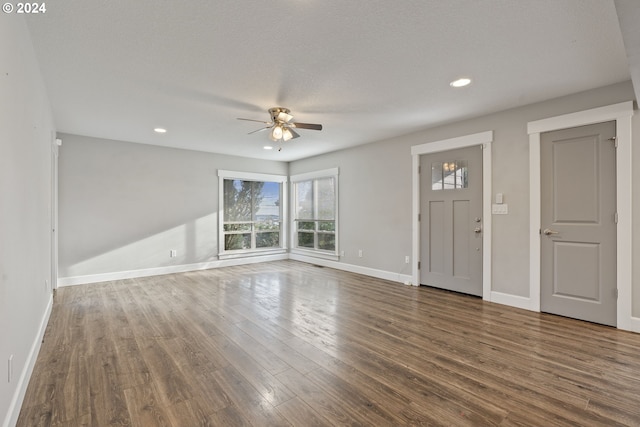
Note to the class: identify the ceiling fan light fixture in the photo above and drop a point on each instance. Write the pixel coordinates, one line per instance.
(284, 117)
(286, 134)
(276, 133)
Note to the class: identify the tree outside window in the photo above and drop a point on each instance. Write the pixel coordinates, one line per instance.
(251, 214)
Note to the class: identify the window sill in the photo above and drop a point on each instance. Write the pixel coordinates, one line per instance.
(250, 253)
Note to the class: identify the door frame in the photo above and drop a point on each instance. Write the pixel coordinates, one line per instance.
(55, 154)
(485, 140)
(621, 113)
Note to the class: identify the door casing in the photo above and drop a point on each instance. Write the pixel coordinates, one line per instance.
(55, 153)
(484, 139)
(622, 114)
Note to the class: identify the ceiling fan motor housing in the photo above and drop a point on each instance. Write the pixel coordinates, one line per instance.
(280, 115)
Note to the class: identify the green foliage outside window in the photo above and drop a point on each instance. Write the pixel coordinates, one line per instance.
(305, 240)
(237, 241)
(327, 241)
(246, 226)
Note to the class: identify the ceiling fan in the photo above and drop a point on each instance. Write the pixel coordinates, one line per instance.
(281, 125)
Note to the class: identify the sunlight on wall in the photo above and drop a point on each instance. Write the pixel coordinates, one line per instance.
(194, 242)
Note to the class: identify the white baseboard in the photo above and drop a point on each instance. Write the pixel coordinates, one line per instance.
(380, 274)
(158, 271)
(16, 402)
(512, 300)
(120, 275)
(632, 324)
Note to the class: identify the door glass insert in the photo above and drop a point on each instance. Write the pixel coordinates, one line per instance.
(449, 175)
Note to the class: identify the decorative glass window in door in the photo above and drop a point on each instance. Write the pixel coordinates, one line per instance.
(449, 175)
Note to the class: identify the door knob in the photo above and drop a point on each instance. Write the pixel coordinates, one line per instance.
(548, 232)
(477, 230)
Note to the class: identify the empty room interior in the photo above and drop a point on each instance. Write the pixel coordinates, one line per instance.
(311, 212)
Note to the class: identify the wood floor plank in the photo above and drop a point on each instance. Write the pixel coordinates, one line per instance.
(322, 403)
(298, 413)
(229, 416)
(255, 374)
(369, 410)
(107, 400)
(145, 407)
(289, 343)
(253, 406)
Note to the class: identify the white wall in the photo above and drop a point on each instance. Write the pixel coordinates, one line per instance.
(125, 206)
(26, 133)
(375, 188)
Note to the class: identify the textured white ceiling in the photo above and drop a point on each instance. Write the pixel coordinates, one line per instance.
(365, 69)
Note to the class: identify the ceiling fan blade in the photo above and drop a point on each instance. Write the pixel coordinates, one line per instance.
(251, 120)
(294, 133)
(311, 126)
(259, 130)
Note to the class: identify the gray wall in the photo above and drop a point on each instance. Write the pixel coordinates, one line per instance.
(26, 132)
(374, 202)
(375, 188)
(125, 206)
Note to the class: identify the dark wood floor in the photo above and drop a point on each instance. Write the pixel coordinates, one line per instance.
(288, 343)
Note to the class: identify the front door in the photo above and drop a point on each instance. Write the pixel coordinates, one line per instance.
(578, 247)
(451, 220)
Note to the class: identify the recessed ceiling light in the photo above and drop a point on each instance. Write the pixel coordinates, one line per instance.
(460, 82)
(268, 147)
(160, 130)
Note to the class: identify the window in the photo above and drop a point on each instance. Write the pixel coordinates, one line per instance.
(252, 213)
(449, 175)
(315, 217)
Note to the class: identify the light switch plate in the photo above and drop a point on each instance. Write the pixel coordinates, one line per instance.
(500, 209)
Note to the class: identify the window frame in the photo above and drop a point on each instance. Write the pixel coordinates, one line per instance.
(314, 177)
(256, 177)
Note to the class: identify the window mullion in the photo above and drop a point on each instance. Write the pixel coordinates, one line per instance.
(253, 215)
(315, 215)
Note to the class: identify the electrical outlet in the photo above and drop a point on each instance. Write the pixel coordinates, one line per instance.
(10, 368)
(341, 253)
(173, 253)
(406, 259)
(360, 253)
